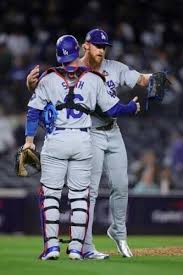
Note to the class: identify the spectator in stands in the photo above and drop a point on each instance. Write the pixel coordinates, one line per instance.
(174, 159)
(18, 42)
(165, 181)
(7, 141)
(6, 59)
(148, 174)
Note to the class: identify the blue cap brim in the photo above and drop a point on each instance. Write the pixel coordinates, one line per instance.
(101, 43)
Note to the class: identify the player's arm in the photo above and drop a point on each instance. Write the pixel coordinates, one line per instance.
(111, 106)
(119, 109)
(36, 105)
(131, 77)
(33, 78)
(32, 121)
(155, 83)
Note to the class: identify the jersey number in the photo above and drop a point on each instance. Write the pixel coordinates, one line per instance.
(71, 112)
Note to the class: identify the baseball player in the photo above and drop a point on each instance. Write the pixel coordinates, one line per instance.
(73, 91)
(108, 146)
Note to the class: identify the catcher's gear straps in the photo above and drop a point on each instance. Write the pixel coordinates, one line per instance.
(49, 199)
(79, 72)
(79, 217)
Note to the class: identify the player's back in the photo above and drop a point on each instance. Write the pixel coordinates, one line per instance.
(88, 90)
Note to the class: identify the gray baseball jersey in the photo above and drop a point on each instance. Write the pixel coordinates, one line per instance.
(89, 90)
(116, 74)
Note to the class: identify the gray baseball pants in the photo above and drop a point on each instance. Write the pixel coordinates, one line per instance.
(109, 152)
(66, 153)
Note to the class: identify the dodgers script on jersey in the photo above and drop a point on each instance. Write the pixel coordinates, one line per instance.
(116, 74)
(88, 91)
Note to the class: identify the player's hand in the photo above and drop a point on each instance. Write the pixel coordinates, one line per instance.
(33, 78)
(29, 145)
(135, 99)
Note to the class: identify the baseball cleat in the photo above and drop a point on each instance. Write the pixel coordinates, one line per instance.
(122, 246)
(74, 254)
(52, 253)
(95, 255)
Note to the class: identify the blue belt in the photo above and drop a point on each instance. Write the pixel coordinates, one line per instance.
(81, 129)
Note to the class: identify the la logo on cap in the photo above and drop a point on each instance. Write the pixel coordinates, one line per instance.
(103, 36)
(65, 52)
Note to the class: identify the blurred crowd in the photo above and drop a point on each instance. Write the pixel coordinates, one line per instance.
(146, 35)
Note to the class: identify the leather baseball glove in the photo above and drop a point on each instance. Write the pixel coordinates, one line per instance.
(27, 162)
(157, 86)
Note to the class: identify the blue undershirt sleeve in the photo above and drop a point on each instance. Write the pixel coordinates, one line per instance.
(121, 109)
(32, 121)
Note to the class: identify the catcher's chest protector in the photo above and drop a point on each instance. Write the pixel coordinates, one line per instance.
(72, 75)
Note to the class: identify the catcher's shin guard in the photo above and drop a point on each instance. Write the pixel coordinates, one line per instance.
(79, 218)
(49, 213)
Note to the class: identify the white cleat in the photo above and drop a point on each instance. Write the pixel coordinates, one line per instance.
(75, 254)
(95, 255)
(122, 246)
(51, 253)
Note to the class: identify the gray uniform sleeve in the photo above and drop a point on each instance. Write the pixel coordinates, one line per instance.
(104, 99)
(40, 97)
(128, 77)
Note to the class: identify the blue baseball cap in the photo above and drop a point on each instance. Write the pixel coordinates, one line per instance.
(98, 37)
(67, 49)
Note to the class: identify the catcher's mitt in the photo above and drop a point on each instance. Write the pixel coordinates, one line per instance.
(27, 162)
(157, 86)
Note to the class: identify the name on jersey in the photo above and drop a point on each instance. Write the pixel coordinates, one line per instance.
(110, 84)
(79, 85)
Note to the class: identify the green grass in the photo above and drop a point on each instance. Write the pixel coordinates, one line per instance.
(18, 256)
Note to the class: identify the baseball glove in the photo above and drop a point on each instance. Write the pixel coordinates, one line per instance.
(157, 86)
(27, 162)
